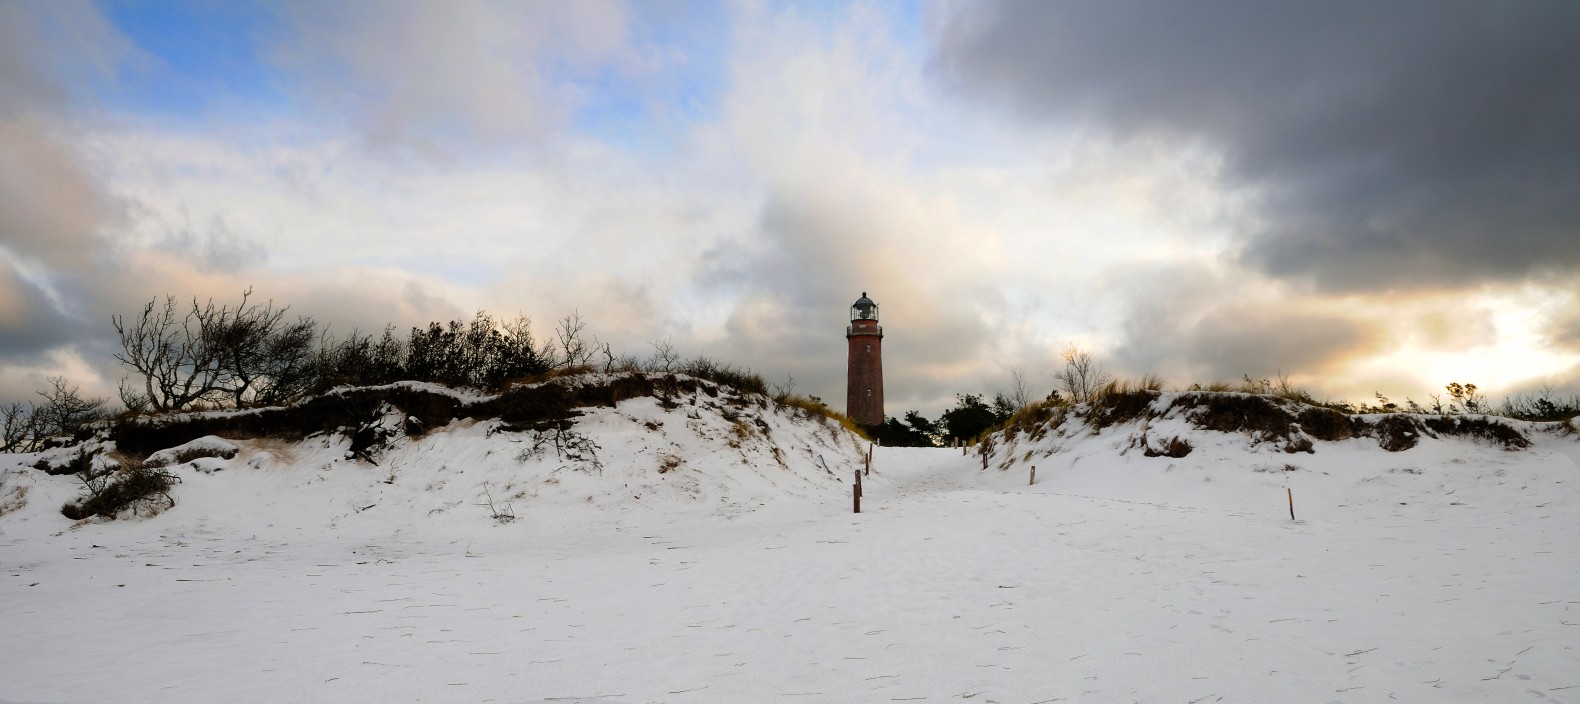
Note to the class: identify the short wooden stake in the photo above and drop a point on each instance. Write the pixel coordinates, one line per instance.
(868, 462)
(855, 492)
(1033, 475)
(1291, 502)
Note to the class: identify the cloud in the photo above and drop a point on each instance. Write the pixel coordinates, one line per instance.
(1563, 324)
(51, 51)
(453, 75)
(1263, 341)
(1203, 321)
(1388, 145)
(50, 208)
(30, 323)
(217, 247)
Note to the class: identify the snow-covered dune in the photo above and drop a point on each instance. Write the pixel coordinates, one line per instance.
(1175, 452)
(703, 449)
(709, 554)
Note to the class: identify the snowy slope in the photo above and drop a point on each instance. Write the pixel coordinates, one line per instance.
(713, 452)
(1442, 573)
(1245, 471)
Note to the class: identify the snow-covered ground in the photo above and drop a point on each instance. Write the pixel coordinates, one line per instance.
(1446, 573)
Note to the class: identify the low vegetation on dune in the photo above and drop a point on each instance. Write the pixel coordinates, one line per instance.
(1271, 410)
(246, 371)
(1266, 414)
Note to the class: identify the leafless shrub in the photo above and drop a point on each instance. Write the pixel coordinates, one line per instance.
(665, 357)
(501, 514)
(780, 391)
(575, 349)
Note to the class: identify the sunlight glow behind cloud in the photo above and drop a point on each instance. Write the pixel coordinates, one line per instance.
(732, 176)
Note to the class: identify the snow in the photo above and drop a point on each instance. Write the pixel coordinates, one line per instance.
(1445, 573)
(203, 448)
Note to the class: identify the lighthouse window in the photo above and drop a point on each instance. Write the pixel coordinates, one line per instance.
(869, 392)
(869, 348)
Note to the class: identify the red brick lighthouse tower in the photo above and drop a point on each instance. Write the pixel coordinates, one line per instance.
(864, 375)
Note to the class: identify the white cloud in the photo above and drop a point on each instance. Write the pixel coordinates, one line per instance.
(436, 76)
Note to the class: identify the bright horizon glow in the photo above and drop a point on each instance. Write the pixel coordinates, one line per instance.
(731, 176)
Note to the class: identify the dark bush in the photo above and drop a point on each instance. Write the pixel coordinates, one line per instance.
(142, 490)
(1175, 447)
(1232, 413)
(1299, 443)
(541, 406)
(1479, 428)
(1325, 424)
(141, 436)
(1397, 432)
(1119, 406)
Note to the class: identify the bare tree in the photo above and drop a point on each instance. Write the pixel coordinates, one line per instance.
(260, 356)
(1082, 375)
(168, 351)
(214, 352)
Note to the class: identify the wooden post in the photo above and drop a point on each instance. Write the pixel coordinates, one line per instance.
(984, 460)
(867, 461)
(855, 492)
(1033, 475)
(1291, 502)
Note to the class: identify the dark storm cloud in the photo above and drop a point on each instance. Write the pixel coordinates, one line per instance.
(1394, 144)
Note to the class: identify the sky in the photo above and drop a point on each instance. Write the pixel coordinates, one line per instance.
(1365, 197)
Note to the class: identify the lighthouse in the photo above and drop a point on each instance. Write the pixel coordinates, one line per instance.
(864, 373)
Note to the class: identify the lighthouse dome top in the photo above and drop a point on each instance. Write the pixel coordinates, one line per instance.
(864, 308)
